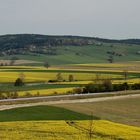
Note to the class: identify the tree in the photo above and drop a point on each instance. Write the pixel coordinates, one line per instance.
(71, 78)
(19, 82)
(1, 64)
(14, 58)
(90, 132)
(125, 86)
(12, 61)
(78, 90)
(107, 84)
(59, 77)
(135, 86)
(125, 73)
(14, 95)
(46, 64)
(111, 58)
(90, 88)
(97, 78)
(28, 94)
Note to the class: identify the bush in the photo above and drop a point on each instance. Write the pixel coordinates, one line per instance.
(89, 88)
(28, 94)
(120, 87)
(135, 86)
(78, 90)
(14, 95)
(52, 81)
(117, 87)
(125, 86)
(2, 96)
(107, 84)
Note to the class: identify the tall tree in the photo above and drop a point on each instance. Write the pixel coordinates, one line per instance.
(46, 64)
(71, 78)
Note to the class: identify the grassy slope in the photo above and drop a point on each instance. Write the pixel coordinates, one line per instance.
(40, 113)
(87, 54)
(125, 111)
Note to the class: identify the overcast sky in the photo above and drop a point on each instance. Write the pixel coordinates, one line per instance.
(99, 18)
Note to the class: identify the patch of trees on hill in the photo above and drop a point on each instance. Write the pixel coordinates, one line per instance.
(21, 44)
(44, 44)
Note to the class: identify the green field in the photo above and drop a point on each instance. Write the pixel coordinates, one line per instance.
(41, 113)
(84, 54)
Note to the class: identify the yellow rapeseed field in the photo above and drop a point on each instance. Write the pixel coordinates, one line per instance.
(130, 81)
(45, 76)
(67, 130)
(46, 91)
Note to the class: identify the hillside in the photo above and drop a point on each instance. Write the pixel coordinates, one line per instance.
(68, 49)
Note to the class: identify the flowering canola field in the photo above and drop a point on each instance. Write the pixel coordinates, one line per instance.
(46, 91)
(67, 130)
(45, 76)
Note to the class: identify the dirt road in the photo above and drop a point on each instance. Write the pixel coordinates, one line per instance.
(6, 107)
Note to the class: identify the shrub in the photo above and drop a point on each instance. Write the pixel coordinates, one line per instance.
(28, 94)
(78, 90)
(107, 84)
(52, 81)
(125, 86)
(135, 86)
(89, 88)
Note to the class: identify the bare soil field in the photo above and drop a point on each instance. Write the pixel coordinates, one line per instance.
(122, 110)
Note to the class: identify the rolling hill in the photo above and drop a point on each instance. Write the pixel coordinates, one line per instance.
(68, 49)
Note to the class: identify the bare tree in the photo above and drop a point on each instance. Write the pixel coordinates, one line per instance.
(12, 62)
(71, 78)
(97, 78)
(59, 77)
(90, 128)
(46, 64)
(125, 73)
(110, 58)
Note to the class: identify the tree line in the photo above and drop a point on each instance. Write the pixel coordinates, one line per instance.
(106, 86)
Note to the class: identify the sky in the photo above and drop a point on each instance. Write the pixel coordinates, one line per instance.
(114, 19)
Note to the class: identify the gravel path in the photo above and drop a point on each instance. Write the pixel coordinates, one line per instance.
(6, 107)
